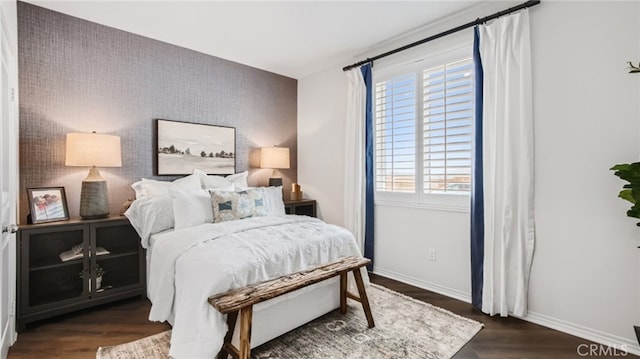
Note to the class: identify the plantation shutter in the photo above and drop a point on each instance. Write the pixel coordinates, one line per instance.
(395, 136)
(447, 127)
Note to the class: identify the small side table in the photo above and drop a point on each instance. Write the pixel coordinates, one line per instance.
(305, 207)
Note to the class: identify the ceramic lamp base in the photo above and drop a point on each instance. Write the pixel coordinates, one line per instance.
(94, 202)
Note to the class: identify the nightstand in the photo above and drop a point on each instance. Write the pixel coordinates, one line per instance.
(305, 207)
(50, 286)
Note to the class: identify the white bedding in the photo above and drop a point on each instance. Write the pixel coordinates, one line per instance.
(189, 265)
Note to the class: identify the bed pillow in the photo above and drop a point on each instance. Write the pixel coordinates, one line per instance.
(231, 205)
(138, 188)
(239, 179)
(191, 208)
(273, 201)
(213, 181)
(149, 215)
(148, 187)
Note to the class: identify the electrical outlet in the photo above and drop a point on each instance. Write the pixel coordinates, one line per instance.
(432, 254)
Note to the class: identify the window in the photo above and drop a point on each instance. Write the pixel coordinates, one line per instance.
(396, 134)
(423, 130)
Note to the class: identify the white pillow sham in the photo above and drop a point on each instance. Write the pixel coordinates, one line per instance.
(148, 187)
(211, 181)
(191, 208)
(239, 179)
(273, 201)
(149, 215)
(229, 183)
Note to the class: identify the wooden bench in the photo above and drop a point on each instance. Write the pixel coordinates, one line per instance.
(241, 300)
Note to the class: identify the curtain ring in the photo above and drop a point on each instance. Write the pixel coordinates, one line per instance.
(370, 61)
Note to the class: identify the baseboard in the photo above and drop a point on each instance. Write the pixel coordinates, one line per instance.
(607, 339)
(5, 340)
(615, 342)
(449, 292)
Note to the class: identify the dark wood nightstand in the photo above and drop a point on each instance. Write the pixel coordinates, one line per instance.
(305, 207)
(49, 286)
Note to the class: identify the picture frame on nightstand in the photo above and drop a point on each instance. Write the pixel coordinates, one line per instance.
(47, 204)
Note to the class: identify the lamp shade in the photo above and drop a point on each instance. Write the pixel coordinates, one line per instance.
(92, 149)
(274, 157)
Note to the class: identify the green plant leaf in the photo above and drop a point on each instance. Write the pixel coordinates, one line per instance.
(630, 172)
(634, 211)
(626, 194)
(620, 167)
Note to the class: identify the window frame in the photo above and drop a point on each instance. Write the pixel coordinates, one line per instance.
(457, 202)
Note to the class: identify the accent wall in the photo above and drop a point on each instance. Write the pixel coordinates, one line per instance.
(79, 76)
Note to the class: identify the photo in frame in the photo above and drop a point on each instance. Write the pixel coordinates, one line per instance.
(47, 204)
(182, 147)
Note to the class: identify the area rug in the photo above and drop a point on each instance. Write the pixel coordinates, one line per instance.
(405, 328)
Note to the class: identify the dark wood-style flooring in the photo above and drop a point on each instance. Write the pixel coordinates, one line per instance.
(79, 335)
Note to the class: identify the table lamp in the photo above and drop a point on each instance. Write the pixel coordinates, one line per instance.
(274, 158)
(93, 150)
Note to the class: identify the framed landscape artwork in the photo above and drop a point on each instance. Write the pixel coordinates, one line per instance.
(181, 147)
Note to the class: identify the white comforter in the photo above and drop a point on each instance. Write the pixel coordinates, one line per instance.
(189, 265)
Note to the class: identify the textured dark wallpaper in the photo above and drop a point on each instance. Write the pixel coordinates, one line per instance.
(79, 76)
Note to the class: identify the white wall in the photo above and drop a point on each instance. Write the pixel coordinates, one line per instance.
(586, 119)
(321, 111)
(585, 278)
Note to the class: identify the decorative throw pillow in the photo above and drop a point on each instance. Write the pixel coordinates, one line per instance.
(229, 206)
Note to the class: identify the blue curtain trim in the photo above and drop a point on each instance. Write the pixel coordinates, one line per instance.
(477, 194)
(369, 187)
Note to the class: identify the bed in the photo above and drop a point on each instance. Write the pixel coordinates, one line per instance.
(188, 262)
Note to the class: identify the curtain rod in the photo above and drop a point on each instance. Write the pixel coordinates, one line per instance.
(445, 33)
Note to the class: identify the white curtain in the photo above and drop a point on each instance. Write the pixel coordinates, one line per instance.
(354, 185)
(505, 51)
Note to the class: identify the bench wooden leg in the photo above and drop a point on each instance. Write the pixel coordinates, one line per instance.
(343, 293)
(363, 297)
(246, 314)
(226, 346)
